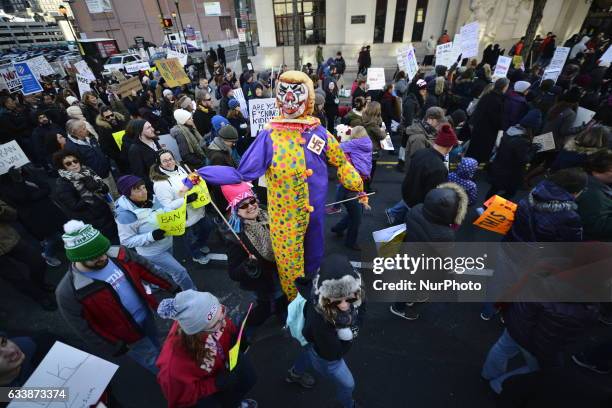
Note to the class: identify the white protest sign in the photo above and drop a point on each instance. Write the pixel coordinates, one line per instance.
(406, 60)
(10, 79)
(606, 58)
(546, 140)
(502, 66)
(551, 74)
(387, 143)
(83, 84)
(84, 70)
(84, 375)
(376, 78)
(386, 235)
(260, 113)
(40, 66)
(558, 59)
(444, 54)
(583, 116)
(456, 52)
(175, 54)
(136, 66)
(11, 155)
(469, 39)
(239, 96)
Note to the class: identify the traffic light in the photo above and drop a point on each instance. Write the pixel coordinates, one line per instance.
(166, 22)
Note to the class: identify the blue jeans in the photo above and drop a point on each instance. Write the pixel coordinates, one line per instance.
(339, 195)
(398, 212)
(146, 350)
(196, 236)
(351, 220)
(166, 262)
(495, 368)
(335, 370)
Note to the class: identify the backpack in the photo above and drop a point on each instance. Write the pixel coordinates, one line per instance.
(296, 319)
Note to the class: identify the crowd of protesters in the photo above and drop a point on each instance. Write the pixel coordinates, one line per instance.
(100, 174)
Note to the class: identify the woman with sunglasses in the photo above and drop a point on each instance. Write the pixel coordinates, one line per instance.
(330, 326)
(194, 361)
(82, 194)
(256, 270)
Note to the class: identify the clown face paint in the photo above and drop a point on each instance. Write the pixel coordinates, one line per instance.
(292, 98)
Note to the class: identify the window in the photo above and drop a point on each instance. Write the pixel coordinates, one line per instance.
(419, 20)
(379, 21)
(311, 21)
(400, 20)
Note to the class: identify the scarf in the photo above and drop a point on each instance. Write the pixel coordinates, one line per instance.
(77, 181)
(193, 138)
(258, 232)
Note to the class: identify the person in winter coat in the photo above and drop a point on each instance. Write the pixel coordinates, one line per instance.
(464, 175)
(580, 47)
(167, 106)
(358, 150)
(226, 94)
(103, 298)
(142, 152)
(319, 109)
(107, 123)
(547, 50)
(202, 116)
(136, 217)
(332, 318)
(515, 104)
(190, 142)
(354, 117)
(414, 102)
(371, 120)
(549, 212)
(507, 170)
(331, 105)
(75, 112)
(577, 150)
(90, 106)
(19, 258)
(421, 134)
(390, 107)
(430, 47)
(48, 138)
(546, 97)
(595, 204)
(561, 117)
(487, 121)
(150, 110)
(193, 363)
(538, 331)
(238, 121)
(55, 112)
(434, 220)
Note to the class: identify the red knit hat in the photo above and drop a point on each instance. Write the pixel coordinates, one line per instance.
(446, 137)
(235, 193)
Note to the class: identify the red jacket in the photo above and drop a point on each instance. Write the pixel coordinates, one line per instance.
(183, 381)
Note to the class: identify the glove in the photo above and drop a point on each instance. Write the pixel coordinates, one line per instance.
(227, 379)
(192, 197)
(90, 183)
(158, 234)
(120, 349)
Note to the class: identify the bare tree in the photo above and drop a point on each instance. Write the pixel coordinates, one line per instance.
(534, 22)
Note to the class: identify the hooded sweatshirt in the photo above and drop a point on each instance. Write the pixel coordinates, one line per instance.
(464, 175)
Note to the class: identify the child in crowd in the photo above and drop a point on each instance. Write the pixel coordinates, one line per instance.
(464, 177)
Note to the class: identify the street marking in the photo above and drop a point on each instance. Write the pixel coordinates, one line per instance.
(388, 163)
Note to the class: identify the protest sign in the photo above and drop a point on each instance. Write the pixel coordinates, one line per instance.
(136, 66)
(551, 74)
(387, 144)
(444, 54)
(470, 39)
(39, 66)
(125, 88)
(558, 59)
(260, 113)
(456, 52)
(406, 60)
(502, 66)
(175, 54)
(202, 193)
(10, 79)
(83, 84)
(389, 240)
(606, 58)
(235, 350)
(28, 80)
(173, 222)
(546, 140)
(239, 96)
(583, 116)
(376, 78)
(517, 62)
(11, 155)
(499, 215)
(118, 136)
(84, 70)
(172, 71)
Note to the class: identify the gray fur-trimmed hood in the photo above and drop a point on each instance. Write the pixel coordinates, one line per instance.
(446, 204)
(337, 279)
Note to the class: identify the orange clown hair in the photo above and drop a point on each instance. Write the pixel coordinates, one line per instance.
(298, 77)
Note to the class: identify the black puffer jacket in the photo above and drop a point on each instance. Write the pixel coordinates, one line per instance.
(426, 172)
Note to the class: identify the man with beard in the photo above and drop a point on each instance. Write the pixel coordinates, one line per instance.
(104, 298)
(108, 123)
(48, 138)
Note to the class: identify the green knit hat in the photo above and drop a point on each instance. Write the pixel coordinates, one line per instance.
(83, 242)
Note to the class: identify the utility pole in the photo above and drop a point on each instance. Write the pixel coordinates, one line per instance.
(176, 3)
(244, 58)
(296, 38)
(161, 21)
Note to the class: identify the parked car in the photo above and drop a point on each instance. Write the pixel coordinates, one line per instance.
(117, 62)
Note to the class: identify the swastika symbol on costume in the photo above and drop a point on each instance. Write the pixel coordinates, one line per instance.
(316, 144)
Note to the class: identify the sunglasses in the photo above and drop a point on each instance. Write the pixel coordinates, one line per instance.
(71, 162)
(108, 116)
(207, 100)
(245, 205)
(348, 300)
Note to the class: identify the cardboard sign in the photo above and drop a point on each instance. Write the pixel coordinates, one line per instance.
(502, 66)
(546, 140)
(118, 75)
(583, 116)
(10, 79)
(498, 217)
(260, 113)
(406, 60)
(376, 78)
(84, 70)
(11, 155)
(203, 195)
(39, 66)
(83, 84)
(28, 79)
(233, 352)
(173, 222)
(118, 136)
(85, 375)
(126, 87)
(470, 39)
(173, 72)
(136, 66)
(517, 62)
(444, 54)
(239, 96)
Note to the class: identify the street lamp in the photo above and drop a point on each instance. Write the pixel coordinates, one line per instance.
(64, 12)
(176, 3)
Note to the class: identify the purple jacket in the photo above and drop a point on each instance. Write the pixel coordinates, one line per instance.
(360, 154)
(515, 107)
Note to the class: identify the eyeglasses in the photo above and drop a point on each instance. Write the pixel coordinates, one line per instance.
(71, 162)
(109, 116)
(245, 205)
(348, 300)
(207, 100)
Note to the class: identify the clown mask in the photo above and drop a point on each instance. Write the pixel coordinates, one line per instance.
(292, 99)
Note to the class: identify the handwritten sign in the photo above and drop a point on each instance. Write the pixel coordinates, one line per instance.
(406, 60)
(260, 113)
(40, 66)
(239, 96)
(546, 140)
(11, 155)
(233, 352)
(173, 222)
(202, 192)
(125, 88)
(387, 143)
(502, 66)
(172, 71)
(136, 66)
(10, 79)
(376, 78)
(118, 136)
(551, 74)
(84, 70)
(558, 59)
(175, 54)
(456, 53)
(469, 39)
(83, 84)
(444, 54)
(499, 215)
(28, 79)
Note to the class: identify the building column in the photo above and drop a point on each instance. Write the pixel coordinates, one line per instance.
(334, 23)
(409, 23)
(389, 20)
(265, 18)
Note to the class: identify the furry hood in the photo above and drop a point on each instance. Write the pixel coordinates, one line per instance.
(156, 174)
(336, 279)
(104, 124)
(572, 146)
(446, 204)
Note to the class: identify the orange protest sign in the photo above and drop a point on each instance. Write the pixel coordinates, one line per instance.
(498, 216)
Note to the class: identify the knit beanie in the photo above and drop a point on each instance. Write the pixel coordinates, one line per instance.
(228, 133)
(71, 100)
(218, 122)
(233, 103)
(167, 92)
(83, 242)
(185, 102)
(336, 279)
(236, 193)
(125, 184)
(225, 88)
(181, 116)
(194, 311)
(532, 120)
(521, 86)
(446, 137)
